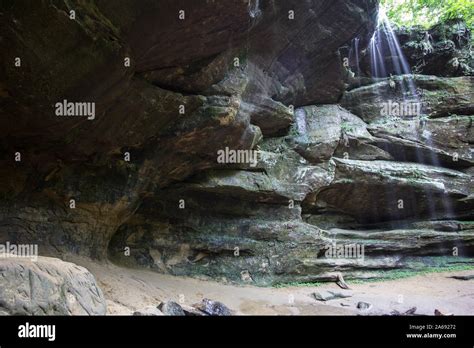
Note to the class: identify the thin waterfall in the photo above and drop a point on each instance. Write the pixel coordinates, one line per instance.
(384, 44)
(384, 41)
(357, 59)
(354, 58)
(254, 8)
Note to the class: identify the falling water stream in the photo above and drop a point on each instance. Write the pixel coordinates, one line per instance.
(387, 60)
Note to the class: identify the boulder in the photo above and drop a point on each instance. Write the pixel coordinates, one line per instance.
(330, 130)
(272, 117)
(192, 312)
(171, 308)
(214, 308)
(48, 286)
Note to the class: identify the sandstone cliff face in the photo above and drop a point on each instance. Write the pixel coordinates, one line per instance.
(251, 78)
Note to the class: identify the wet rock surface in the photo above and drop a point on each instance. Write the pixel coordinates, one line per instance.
(443, 50)
(438, 97)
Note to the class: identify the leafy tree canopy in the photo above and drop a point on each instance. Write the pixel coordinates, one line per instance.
(428, 12)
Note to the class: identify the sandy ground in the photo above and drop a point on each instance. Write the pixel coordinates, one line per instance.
(127, 290)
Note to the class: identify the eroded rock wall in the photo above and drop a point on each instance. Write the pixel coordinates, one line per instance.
(147, 187)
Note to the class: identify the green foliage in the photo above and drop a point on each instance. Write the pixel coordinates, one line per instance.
(428, 12)
(401, 274)
(387, 275)
(299, 284)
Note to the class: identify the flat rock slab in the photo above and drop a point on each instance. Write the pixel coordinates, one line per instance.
(464, 277)
(326, 295)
